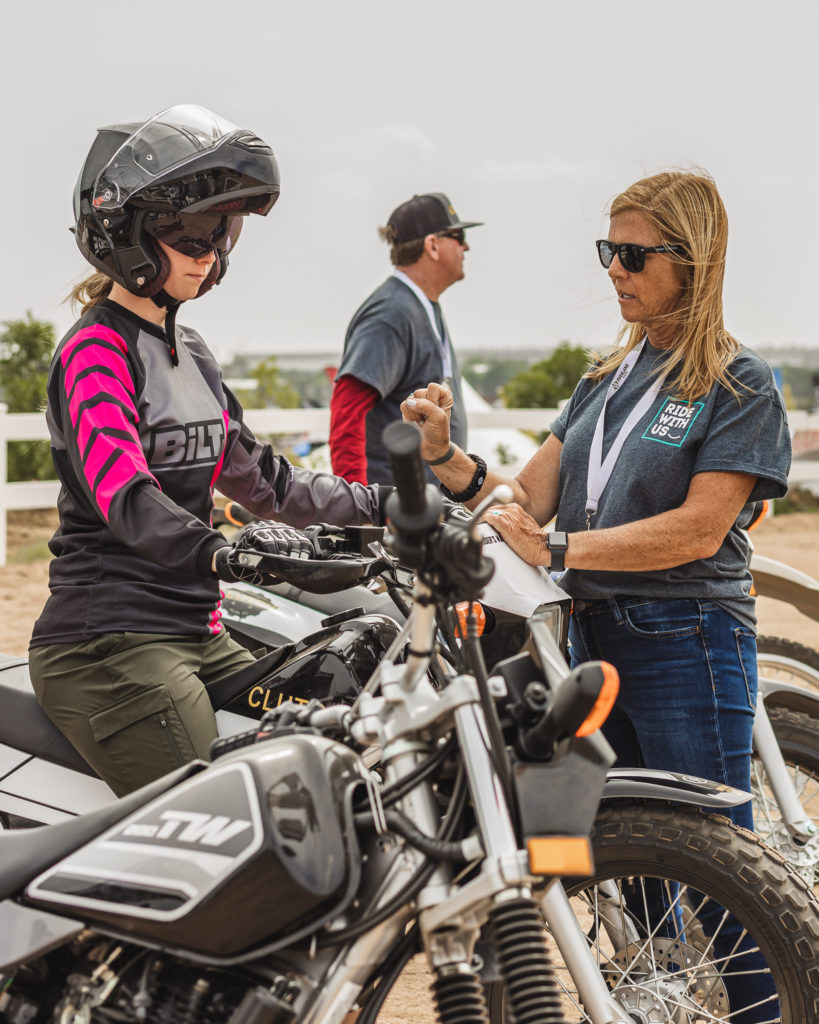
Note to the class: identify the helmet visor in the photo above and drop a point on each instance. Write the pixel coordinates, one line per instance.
(195, 234)
(168, 140)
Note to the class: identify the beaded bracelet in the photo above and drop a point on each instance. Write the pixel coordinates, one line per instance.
(475, 484)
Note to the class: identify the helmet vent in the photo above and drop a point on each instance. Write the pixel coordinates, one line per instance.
(253, 143)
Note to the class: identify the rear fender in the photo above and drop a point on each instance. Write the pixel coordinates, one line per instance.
(777, 694)
(784, 583)
(652, 784)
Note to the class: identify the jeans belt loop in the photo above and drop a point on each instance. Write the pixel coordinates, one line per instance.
(614, 608)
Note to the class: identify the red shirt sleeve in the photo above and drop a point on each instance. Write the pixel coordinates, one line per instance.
(350, 402)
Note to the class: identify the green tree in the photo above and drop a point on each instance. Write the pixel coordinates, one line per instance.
(546, 383)
(26, 347)
(271, 389)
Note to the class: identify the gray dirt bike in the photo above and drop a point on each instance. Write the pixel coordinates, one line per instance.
(287, 884)
(785, 769)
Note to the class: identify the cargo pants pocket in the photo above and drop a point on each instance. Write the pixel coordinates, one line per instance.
(143, 737)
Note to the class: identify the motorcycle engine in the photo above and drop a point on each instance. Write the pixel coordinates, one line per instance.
(104, 982)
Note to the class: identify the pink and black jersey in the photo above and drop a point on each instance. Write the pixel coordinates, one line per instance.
(139, 445)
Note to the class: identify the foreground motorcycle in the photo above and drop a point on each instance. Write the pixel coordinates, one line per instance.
(785, 768)
(288, 883)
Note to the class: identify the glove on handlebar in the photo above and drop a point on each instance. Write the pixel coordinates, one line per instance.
(271, 538)
(237, 561)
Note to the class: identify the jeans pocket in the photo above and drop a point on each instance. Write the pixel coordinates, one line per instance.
(663, 620)
(746, 652)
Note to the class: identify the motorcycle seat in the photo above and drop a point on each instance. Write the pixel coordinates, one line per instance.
(25, 853)
(25, 726)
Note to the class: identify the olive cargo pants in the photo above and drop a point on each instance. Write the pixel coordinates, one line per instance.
(134, 704)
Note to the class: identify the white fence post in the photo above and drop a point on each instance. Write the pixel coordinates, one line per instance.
(4, 463)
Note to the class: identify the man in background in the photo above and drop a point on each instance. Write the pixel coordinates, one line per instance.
(398, 340)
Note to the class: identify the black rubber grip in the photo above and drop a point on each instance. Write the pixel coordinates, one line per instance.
(403, 444)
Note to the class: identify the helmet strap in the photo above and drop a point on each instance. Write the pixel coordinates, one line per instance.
(169, 303)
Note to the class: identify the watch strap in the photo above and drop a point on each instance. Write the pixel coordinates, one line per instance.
(558, 543)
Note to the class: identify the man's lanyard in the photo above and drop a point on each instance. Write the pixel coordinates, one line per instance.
(600, 469)
(438, 328)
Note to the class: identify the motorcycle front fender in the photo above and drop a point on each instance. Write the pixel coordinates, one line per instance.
(651, 784)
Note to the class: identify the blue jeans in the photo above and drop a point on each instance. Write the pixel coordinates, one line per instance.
(688, 688)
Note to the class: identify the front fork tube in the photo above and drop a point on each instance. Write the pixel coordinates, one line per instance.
(494, 821)
(499, 840)
(577, 955)
(769, 752)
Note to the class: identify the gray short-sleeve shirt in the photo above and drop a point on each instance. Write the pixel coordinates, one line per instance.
(670, 444)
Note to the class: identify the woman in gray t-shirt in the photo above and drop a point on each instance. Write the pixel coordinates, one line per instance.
(652, 469)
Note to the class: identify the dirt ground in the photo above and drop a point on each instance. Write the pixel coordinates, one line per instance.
(24, 587)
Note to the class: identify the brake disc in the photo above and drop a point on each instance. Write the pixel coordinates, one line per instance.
(668, 982)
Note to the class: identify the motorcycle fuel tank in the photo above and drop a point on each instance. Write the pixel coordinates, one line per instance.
(250, 851)
(330, 665)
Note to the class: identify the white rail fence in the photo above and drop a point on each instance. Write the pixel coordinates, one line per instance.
(291, 422)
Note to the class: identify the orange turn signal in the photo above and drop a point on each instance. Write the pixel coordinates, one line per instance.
(462, 610)
(604, 703)
(560, 855)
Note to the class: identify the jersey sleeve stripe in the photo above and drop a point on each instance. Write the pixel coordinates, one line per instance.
(107, 416)
(89, 411)
(102, 406)
(99, 383)
(110, 432)
(94, 334)
(218, 469)
(100, 454)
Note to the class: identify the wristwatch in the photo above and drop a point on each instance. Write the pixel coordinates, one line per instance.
(558, 545)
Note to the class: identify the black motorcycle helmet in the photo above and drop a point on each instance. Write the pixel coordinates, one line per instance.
(187, 177)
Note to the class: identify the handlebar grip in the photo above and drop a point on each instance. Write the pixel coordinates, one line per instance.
(237, 515)
(403, 443)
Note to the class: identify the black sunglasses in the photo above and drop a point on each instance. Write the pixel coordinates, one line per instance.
(632, 257)
(459, 235)
(195, 234)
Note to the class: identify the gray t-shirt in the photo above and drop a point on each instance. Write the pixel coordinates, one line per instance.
(390, 345)
(671, 443)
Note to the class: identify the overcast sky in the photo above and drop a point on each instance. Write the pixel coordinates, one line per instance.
(531, 116)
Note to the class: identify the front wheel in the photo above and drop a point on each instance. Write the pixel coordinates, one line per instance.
(654, 920)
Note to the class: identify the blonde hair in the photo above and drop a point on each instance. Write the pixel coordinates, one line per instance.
(686, 210)
(90, 291)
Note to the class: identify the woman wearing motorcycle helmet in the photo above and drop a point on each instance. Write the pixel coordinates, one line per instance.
(142, 430)
(652, 468)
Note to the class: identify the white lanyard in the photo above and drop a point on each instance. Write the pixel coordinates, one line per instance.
(446, 355)
(601, 469)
